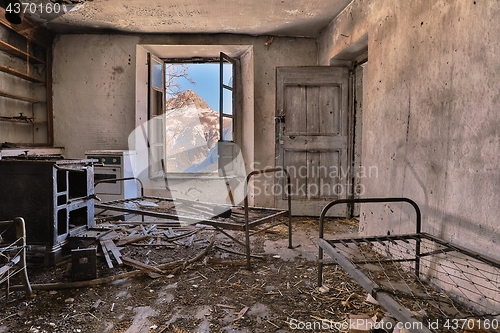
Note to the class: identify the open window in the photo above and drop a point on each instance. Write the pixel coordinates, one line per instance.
(155, 136)
(227, 67)
(227, 149)
(191, 115)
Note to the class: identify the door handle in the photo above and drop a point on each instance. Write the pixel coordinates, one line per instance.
(291, 137)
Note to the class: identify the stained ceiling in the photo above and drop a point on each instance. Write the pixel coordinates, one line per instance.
(298, 18)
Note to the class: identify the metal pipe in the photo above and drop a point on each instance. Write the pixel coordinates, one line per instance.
(114, 180)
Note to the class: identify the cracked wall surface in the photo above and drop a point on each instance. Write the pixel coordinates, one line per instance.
(430, 119)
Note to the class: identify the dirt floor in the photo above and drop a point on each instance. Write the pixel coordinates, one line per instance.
(201, 286)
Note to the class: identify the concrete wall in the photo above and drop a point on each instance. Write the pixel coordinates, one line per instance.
(94, 88)
(431, 124)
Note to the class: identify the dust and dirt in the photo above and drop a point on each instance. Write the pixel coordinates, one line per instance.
(214, 293)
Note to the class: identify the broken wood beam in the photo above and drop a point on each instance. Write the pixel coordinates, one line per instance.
(131, 239)
(81, 284)
(173, 236)
(142, 266)
(106, 254)
(111, 247)
(218, 261)
(238, 253)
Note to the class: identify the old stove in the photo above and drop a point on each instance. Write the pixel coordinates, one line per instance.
(55, 196)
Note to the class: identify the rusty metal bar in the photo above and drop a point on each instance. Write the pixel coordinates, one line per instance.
(114, 180)
(382, 296)
(19, 260)
(247, 226)
(418, 226)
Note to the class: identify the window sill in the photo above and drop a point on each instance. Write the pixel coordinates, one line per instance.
(188, 176)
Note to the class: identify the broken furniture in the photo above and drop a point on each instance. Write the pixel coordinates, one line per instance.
(427, 283)
(13, 253)
(54, 196)
(84, 264)
(251, 220)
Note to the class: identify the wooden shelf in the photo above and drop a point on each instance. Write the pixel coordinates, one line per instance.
(20, 74)
(29, 122)
(19, 53)
(26, 61)
(19, 98)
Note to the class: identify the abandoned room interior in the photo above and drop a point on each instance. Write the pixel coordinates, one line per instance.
(249, 166)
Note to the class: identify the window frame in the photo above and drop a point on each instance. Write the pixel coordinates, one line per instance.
(223, 145)
(222, 87)
(156, 120)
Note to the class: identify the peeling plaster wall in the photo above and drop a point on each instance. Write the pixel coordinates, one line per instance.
(94, 88)
(431, 124)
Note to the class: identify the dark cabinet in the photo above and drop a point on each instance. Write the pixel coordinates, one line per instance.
(55, 198)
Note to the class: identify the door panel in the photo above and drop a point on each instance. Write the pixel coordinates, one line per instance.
(156, 117)
(312, 144)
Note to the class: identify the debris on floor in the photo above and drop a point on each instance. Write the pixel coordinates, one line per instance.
(189, 280)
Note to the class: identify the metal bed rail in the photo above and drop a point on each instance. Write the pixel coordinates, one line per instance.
(418, 224)
(370, 286)
(289, 203)
(13, 255)
(450, 286)
(220, 225)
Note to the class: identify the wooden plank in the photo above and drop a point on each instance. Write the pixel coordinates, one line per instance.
(312, 110)
(330, 174)
(110, 246)
(313, 170)
(295, 107)
(315, 143)
(19, 53)
(19, 98)
(20, 74)
(295, 161)
(330, 122)
(131, 239)
(106, 255)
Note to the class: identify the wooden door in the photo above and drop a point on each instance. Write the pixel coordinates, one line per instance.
(312, 137)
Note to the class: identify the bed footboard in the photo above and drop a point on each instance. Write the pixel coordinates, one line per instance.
(426, 283)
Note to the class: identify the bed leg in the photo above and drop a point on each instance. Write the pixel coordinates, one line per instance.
(247, 243)
(320, 267)
(290, 246)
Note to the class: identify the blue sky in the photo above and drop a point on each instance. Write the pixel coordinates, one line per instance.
(206, 77)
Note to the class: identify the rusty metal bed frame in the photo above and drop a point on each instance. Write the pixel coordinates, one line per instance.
(426, 283)
(13, 254)
(240, 219)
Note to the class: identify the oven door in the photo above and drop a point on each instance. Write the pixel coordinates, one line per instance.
(110, 188)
